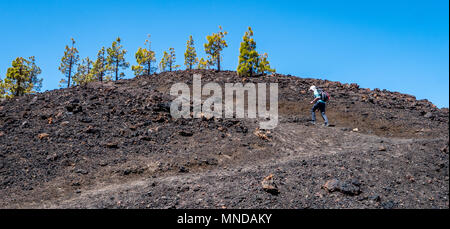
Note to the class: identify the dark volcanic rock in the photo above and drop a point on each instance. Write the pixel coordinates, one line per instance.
(348, 188)
(185, 133)
(114, 141)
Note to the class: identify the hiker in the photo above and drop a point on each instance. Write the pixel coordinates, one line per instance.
(319, 103)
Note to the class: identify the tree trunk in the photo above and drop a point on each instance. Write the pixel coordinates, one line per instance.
(103, 66)
(218, 62)
(18, 82)
(117, 69)
(70, 71)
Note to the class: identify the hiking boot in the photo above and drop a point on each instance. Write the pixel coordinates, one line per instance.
(325, 124)
(312, 123)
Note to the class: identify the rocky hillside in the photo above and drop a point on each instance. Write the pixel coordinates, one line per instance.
(115, 145)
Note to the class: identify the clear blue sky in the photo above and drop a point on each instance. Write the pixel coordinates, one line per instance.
(396, 45)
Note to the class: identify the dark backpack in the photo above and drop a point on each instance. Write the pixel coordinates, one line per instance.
(324, 96)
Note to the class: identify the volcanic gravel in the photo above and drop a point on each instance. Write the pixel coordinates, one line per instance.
(115, 145)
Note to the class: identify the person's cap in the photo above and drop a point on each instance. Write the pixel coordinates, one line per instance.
(312, 88)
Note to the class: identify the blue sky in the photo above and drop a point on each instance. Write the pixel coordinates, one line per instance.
(396, 45)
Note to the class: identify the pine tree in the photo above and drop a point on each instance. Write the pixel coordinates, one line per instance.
(202, 64)
(68, 63)
(164, 61)
(168, 61)
(21, 78)
(190, 56)
(84, 73)
(263, 65)
(250, 62)
(215, 45)
(172, 59)
(2, 89)
(100, 65)
(248, 57)
(144, 58)
(116, 59)
(35, 71)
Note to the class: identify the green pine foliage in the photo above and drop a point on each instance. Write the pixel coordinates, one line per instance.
(21, 78)
(100, 66)
(172, 59)
(2, 89)
(68, 63)
(84, 73)
(202, 64)
(214, 46)
(116, 59)
(263, 65)
(163, 62)
(144, 58)
(250, 62)
(168, 61)
(248, 56)
(190, 56)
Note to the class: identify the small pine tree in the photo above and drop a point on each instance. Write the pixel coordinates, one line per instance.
(248, 57)
(163, 62)
(172, 59)
(202, 64)
(116, 59)
(84, 73)
(3, 88)
(3, 93)
(190, 56)
(214, 46)
(68, 63)
(263, 65)
(100, 65)
(34, 72)
(250, 62)
(144, 58)
(21, 78)
(168, 61)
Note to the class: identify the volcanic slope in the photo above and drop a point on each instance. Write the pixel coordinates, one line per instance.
(115, 145)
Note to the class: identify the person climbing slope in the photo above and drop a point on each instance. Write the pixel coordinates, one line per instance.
(320, 99)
